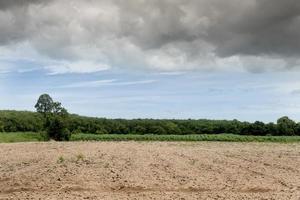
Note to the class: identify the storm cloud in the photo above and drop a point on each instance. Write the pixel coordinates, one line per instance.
(165, 35)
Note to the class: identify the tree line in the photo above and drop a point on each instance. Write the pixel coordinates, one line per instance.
(53, 118)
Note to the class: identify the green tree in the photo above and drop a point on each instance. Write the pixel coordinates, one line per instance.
(172, 128)
(157, 130)
(58, 109)
(297, 130)
(258, 128)
(286, 126)
(55, 116)
(271, 129)
(1, 126)
(57, 129)
(139, 130)
(44, 104)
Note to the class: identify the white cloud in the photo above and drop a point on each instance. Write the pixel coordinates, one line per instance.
(134, 82)
(174, 73)
(76, 67)
(89, 83)
(109, 82)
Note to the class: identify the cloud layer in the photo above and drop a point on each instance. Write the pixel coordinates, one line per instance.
(169, 35)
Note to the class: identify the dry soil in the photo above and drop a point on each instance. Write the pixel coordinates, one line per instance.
(149, 170)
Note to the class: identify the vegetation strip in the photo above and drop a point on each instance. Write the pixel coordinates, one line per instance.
(22, 121)
(52, 119)
(21, 137)
(203, 137)
(27, 137)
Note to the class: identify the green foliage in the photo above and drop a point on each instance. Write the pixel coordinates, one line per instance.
(172, 128)
(26, 137)
(79, 157)
(191, 138)
(57, 109)
(57, 129)
(44, 104)
(1, 126)
(257, 128)
(286, 126)
(20, 137)
(101, 130)
(55, 117)
(21, 121)
(60, 160)
(138, 129)
(297, 129)
(157, 130)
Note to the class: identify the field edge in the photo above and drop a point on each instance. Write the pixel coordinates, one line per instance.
(35, 137)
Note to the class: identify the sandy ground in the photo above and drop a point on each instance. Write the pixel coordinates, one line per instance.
(143, 170)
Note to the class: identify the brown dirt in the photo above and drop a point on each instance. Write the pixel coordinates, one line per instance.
(143, 170)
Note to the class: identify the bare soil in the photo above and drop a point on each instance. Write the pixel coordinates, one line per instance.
(149, 170)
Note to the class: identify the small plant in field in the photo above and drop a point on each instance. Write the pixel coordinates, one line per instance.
(193, 161)
(79, 157)
(61, 159)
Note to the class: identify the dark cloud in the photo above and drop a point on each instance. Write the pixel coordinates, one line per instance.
(15, 21)
(8, 4)
(269, 27)
(162, 34)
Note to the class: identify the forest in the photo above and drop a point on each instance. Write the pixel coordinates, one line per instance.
(25, 121)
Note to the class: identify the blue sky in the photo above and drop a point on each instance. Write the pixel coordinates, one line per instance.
(140, 94)
(153, 59)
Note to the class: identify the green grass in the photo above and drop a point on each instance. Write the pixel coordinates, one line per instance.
(20, 137)
(34, 137)
(211, 137)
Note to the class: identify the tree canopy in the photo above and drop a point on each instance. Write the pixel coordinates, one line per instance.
(12, 121)
(52, 117)
(44, 104)
(55, 116)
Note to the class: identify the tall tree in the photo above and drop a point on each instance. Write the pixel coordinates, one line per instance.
(44, 104)
(55, 116)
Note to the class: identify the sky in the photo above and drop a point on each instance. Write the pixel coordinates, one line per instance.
(181, 59)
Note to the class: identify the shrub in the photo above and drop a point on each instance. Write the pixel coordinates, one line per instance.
(1, 126)
(157, 130)
(101, 130)
(57, 129)
(139, 130)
